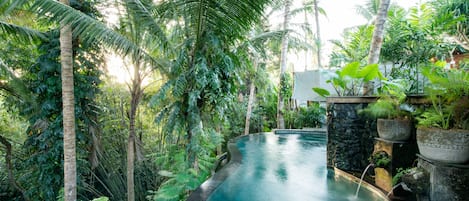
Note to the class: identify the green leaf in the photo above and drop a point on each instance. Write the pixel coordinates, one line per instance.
(101, 199)
(350, 70)
(370, 72)
(322, 92)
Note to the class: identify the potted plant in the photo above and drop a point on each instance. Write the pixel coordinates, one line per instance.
(443, 129)
(394, 122)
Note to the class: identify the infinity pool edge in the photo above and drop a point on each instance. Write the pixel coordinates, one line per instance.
(203, 192)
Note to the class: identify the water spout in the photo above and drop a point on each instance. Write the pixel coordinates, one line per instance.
(404, 186)
(361, 178)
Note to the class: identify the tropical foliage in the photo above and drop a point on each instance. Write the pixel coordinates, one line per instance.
(200, 59)
(349, 80)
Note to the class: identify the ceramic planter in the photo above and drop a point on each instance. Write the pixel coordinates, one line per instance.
(448, 146)
(394, 129)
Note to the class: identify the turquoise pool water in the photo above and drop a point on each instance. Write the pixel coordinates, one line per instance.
(286, 167)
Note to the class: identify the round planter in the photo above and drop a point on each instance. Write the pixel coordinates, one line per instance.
(448, 146)
(394, 129)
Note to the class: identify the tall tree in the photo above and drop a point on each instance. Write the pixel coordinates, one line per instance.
(141, 27)
(252, 91)
(283, 66)
(46, 133)
(318, 33)
(377, 40)
(68, 101)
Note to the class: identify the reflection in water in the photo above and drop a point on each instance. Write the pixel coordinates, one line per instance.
(281, 173)
(282, 140)
(283, 167)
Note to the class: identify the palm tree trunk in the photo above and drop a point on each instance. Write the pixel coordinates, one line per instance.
(136, 94)
(252, 88)
(9, 166)
(377, 40)
(68, 101)
(318, 33)
(130, 166)
(283, 66)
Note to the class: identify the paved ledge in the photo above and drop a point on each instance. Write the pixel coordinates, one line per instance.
(301, 131)
(206, 189)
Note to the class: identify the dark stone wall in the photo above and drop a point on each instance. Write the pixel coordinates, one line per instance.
(350, 136)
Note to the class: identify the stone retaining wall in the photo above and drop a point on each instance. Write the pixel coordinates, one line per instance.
(350, 135)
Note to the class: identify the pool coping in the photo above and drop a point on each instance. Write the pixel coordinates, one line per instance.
(206, 189)
(203, 192)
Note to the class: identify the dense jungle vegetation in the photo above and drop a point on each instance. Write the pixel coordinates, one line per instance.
(197, 69)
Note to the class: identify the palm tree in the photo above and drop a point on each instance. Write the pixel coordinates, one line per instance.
(68, 100)
(377, 39)
(283, 66)
(132, 27)
(255, 49)
(318, 32)
(378, 33)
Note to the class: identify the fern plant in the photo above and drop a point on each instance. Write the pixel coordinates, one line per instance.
(181, 177)
(449, 96)
(391, 101)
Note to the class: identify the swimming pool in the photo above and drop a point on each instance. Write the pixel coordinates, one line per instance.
(285, 167)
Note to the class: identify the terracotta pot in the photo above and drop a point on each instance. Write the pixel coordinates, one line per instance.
(448, 146)
(394, 129)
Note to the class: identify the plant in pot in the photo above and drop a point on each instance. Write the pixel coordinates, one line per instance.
(443, 128)
(394, 116)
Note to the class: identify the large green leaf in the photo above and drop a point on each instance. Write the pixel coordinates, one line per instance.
(370, 72)
(322, 92)
(350, 70)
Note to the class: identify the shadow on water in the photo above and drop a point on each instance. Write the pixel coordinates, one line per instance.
(281, 173)
(282, 140)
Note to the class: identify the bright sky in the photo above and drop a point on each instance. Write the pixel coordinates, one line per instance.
(341, 14)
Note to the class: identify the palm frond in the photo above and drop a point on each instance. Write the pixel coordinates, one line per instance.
(147, 19)
(92, 31)
(7, 6)
(20, 33)
(14, 86)
(258, 41)
(226, 18)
